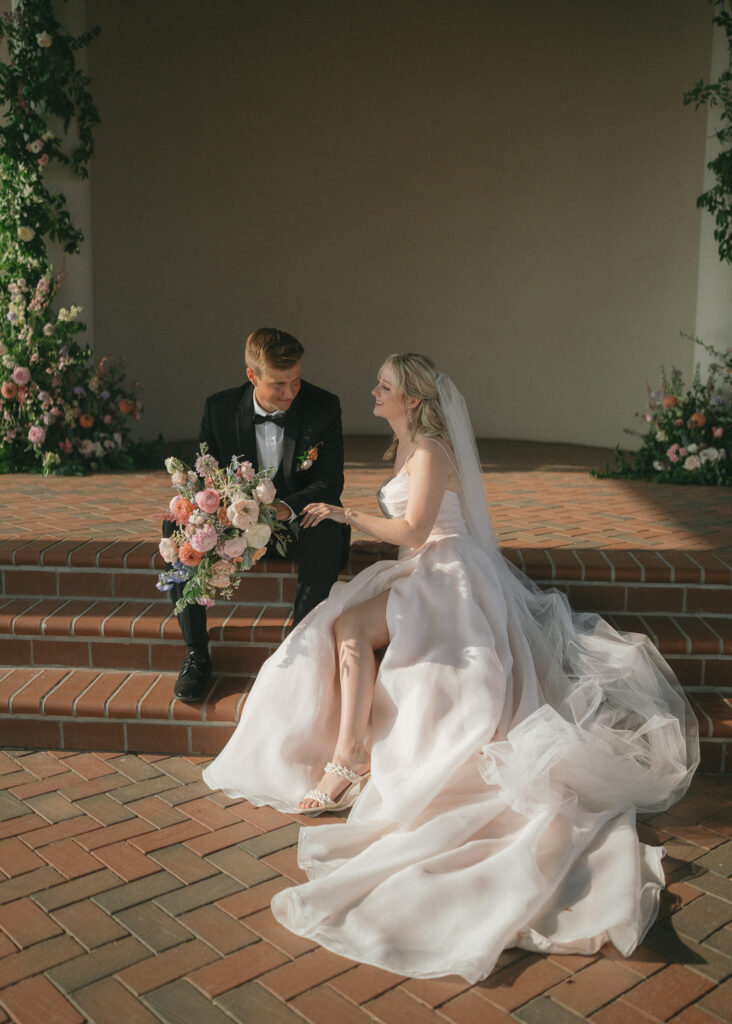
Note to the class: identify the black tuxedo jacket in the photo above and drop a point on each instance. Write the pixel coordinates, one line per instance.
(227, 428)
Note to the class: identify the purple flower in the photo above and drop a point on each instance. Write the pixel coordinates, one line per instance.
(81, 392)
(105, 395)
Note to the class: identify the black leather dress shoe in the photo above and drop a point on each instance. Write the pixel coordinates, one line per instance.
(194, 677)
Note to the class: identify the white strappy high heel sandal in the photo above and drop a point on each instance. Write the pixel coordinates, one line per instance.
(344, 799)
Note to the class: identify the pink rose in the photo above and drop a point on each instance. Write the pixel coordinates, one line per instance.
(692, 462)
(235, 547)
(107, 419)
(208, 500)
(672, 453)
(683, 452)
(36, 435)
(718, 431)
(168, 549)
(204, 539)
(21, 376)
(207, 602)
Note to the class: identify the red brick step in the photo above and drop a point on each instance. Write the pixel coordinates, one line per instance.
(80, 709)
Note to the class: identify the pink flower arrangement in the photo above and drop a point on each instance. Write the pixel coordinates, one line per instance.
(36, 435)
(222, 527)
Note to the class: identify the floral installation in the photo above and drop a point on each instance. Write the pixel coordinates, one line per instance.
(688, 439)
(225, 519)
(61, 411)
(306, 459)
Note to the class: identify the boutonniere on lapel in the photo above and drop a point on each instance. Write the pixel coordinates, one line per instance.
(308, 457)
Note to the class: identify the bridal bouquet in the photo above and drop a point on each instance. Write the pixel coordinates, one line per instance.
(225, 519)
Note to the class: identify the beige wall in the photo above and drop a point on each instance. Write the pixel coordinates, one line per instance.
(508, 187)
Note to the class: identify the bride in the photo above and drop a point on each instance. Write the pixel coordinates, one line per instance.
(495, 760)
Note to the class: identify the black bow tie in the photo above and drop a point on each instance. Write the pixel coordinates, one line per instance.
(276, 417)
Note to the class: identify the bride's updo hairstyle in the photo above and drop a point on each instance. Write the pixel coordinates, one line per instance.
(414, 377)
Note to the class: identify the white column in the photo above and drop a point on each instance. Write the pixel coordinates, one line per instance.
(714, 287)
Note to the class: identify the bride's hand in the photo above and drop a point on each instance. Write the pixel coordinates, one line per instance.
(313, 514)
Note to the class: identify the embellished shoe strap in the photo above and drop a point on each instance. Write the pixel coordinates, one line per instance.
(322, 798)
(332, 768)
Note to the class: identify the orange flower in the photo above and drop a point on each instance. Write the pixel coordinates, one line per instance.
(87, 420)
(221, 515)
(9, 389)
(313, 454)
(181, 508)
(126, 406)
(188, 555)
(697, 419)
(670, 401)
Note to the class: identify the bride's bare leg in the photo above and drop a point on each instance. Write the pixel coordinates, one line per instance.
(359, 631)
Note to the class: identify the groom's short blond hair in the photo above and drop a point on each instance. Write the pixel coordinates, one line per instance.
(270, 349)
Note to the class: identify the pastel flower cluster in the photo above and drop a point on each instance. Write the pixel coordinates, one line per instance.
(60, 412)
(225, 519)
(689, 434)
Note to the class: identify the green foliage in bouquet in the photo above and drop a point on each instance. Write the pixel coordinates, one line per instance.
(60, 411)
(688, 439)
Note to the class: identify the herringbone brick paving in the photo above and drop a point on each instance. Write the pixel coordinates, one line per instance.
(129, 892)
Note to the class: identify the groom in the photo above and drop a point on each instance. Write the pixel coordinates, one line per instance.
(273, 420)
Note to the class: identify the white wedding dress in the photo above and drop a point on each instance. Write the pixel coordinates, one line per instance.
(512, 743)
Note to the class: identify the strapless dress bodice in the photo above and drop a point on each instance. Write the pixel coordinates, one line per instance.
(392, 499)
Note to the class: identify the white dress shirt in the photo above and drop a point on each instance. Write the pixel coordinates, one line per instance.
(270, 439)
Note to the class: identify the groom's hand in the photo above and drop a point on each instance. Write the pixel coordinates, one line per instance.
(283, 512)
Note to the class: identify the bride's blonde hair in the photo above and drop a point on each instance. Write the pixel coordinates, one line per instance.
(415, 376)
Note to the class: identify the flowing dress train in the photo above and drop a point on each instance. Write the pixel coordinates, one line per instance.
(512, 744)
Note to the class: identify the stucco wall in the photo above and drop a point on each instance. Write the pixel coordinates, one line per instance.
(508, 187)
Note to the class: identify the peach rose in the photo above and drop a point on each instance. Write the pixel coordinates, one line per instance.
(670, 401)
(189, 556)
(242, 513)
(126, 406)
(181, 508)
(9, 390)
